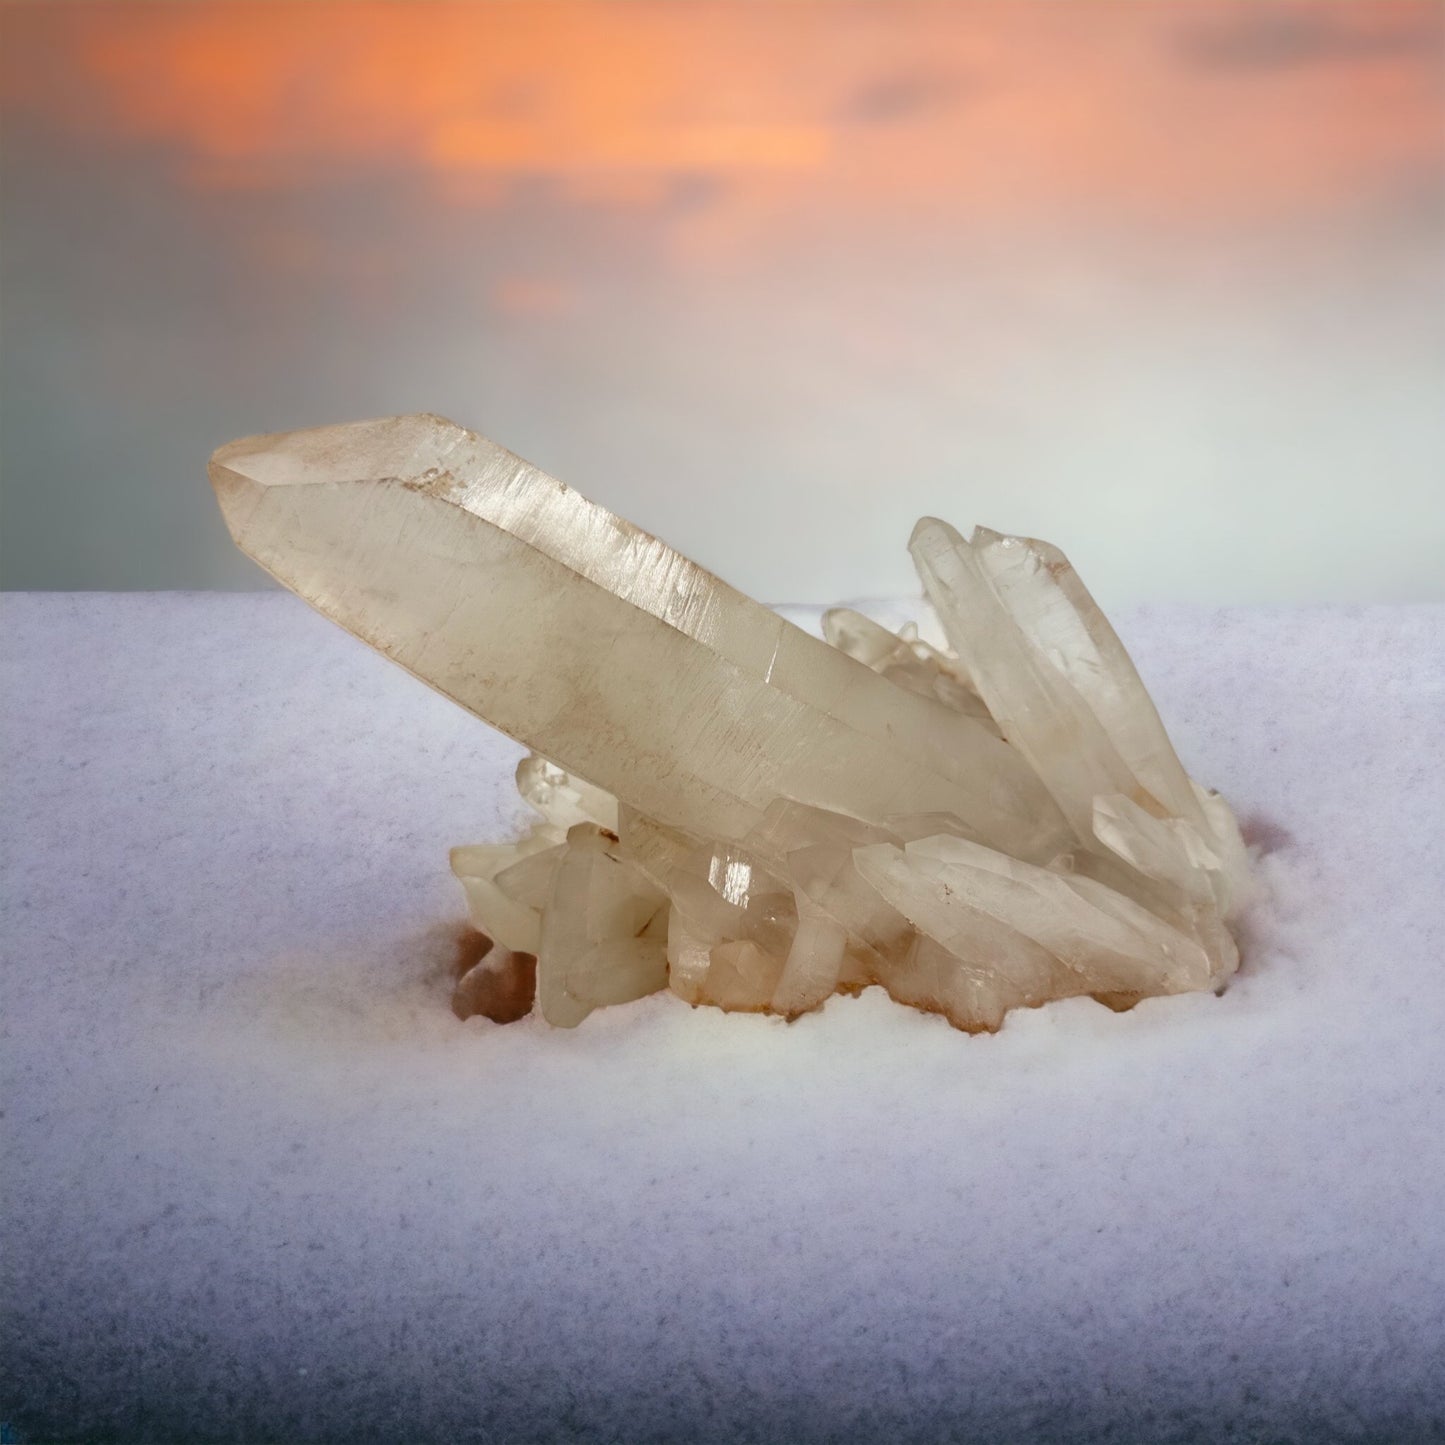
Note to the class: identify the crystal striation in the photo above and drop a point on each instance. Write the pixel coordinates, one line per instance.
(730, 808)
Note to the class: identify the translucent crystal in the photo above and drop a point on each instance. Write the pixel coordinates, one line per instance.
(732, 809)
(598, 646)
(602, 940)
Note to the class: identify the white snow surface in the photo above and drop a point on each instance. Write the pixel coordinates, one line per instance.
(260, 1184)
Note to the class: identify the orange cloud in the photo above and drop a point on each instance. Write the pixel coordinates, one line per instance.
(836, 108)
(485, 145)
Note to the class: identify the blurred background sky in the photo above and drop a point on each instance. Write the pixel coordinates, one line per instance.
(1163, 283)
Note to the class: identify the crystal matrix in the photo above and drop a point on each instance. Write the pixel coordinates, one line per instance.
(766, 818)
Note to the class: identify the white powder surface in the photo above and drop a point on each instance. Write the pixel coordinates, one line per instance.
(260, 1184)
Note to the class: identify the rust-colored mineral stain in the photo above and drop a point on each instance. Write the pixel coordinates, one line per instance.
(1121, 1003)
(472, 946)
(493, 982)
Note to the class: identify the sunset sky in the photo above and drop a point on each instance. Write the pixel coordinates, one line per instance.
(769, 278)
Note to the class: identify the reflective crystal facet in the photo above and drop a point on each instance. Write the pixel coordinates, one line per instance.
(731, 808)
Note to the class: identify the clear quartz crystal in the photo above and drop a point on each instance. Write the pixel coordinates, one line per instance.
(731, 808)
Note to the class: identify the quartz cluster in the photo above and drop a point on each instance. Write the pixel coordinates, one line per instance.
(732, 809)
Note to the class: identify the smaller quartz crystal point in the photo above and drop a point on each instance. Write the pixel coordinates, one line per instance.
(731, 809)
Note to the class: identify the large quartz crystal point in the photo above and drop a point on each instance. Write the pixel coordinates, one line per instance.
(598, 645)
